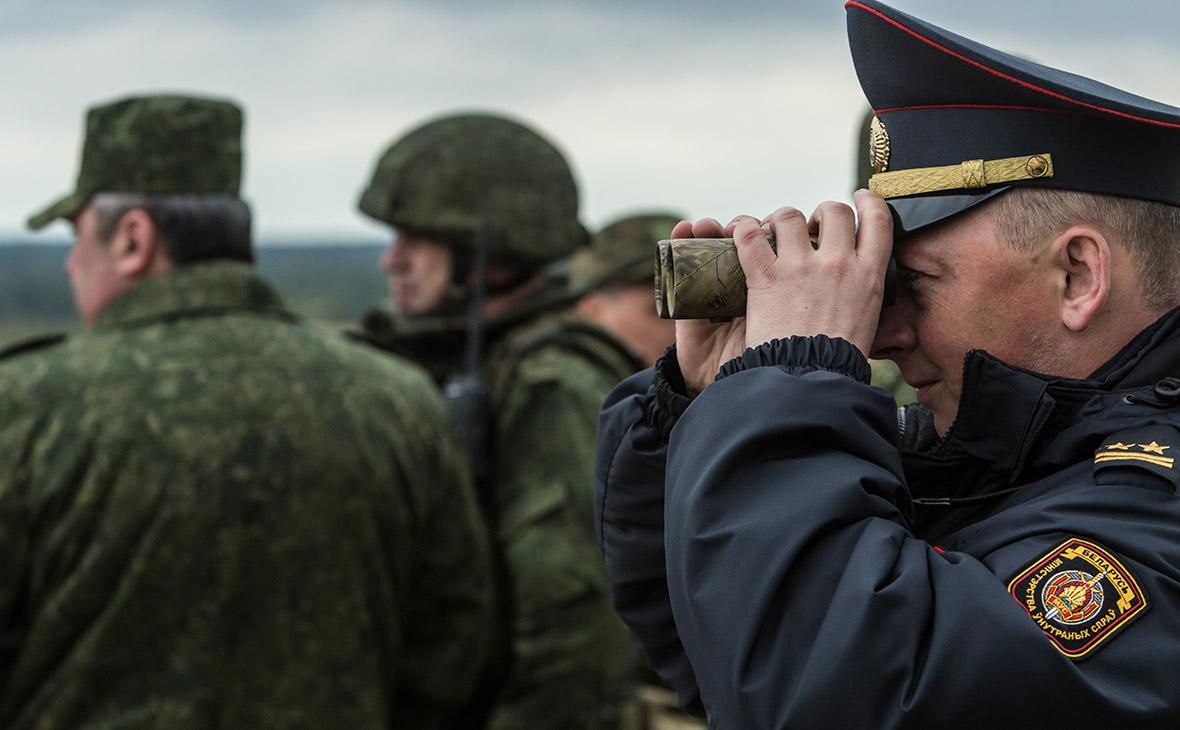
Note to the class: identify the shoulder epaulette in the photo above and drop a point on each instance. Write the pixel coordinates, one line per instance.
(1146, 449)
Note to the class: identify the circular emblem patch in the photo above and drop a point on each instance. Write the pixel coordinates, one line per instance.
(878, 145)
(1080, 595)
(1072, 597)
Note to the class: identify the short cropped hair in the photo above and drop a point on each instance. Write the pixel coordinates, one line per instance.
(192, 227)
(1025, 217)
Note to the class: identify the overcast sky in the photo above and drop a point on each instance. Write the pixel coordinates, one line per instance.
(705, 107)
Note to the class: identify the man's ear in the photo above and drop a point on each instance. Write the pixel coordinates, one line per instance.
(135, 247)
(1083, 258)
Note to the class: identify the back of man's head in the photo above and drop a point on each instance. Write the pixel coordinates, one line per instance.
(190, 228)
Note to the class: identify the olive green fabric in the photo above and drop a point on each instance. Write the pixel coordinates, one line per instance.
(155, 145)
(574, 664)
(215, 516)
(574, 661)
(456, 175)
(623, 252)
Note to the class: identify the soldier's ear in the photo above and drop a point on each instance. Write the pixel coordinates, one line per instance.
(135, 246)
(1083, 257)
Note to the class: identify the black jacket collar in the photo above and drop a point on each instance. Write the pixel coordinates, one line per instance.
(1014, 425)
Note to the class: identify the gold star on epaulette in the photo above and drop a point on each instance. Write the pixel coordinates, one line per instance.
(1154, 448)
(1120, 446)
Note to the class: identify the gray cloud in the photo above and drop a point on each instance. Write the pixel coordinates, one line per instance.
(63, 17)
(712, 109)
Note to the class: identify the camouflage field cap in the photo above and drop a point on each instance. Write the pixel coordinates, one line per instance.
(451, 174)
(155, 145)
(623, 252)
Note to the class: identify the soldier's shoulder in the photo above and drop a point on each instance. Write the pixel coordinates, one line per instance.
(571, 338)
(565, 350)
(32, 369)
(27, 360)
(369, 365)
(29, 345)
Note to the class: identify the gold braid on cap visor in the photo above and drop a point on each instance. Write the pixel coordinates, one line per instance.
(968, 175)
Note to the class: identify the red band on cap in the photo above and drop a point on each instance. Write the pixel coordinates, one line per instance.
(1001, 107)
(1006, 77)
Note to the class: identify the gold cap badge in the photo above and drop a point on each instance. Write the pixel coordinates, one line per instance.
(878, 145)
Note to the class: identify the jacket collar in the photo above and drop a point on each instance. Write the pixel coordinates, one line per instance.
(1015, 425)
(193, 290)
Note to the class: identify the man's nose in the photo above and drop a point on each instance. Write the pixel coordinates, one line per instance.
(393, 259)
(895, 332)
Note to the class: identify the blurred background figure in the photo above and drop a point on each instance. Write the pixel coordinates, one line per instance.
(615, 274)
(211, 514)
(484, 210)
(615, 277)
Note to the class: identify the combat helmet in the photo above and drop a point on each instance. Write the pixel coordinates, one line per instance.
(452, 175)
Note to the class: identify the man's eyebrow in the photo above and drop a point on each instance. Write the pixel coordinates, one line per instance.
(913, 255)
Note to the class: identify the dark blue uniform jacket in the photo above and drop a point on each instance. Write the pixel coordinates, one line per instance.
(793, 552)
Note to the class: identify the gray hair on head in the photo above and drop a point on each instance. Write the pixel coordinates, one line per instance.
(191, 227)
(1150, 231)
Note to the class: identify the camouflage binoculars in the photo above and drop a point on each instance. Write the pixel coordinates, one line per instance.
(701, 278)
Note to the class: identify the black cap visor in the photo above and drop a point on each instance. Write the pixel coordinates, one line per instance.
(912, 214)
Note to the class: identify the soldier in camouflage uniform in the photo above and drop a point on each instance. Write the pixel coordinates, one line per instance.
(451, 189)
(615, 277)
(211, 514)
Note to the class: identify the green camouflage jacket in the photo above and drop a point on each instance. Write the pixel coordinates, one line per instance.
(214, 516)
(573, 663)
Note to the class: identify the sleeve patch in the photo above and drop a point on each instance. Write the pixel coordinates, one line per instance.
(1080, 595)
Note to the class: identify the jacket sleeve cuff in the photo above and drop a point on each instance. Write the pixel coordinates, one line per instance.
(798, 355)
(668, 397)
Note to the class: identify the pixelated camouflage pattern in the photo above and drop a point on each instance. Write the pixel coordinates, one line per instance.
(437, 342)
(622, 253)
(155, 145)
(548, 370)
(574, 663)
(31, 344)
(454, 174)
(214, 516)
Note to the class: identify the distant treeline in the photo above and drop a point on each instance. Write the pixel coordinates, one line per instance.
(336, 283)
